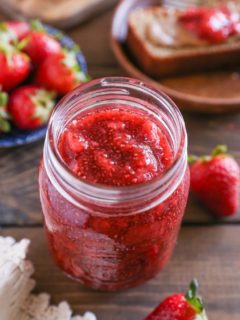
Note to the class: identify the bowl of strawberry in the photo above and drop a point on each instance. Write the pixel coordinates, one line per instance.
(38, 65)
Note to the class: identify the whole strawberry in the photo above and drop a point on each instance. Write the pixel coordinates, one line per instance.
(30, 106)
(60, 73)
(181, 307)
(215, 181)
(13, 31)
(20, 28)
(4, 115)
(14, 66)
(39, 44)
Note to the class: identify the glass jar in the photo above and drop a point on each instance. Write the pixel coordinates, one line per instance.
(111, 238)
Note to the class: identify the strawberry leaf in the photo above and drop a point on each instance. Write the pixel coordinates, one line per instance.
(219, 150)
(71, 62)
(193, 299)
(44, 102)
(22, 44)
(36, 25)
(6, 34)
(192, 158)
(4, 125)
(3, 27)
(8, 50)
(3, 99)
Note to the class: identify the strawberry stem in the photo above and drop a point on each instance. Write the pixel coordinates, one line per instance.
(3, 99)
(4, 115)
(4, 125)
(44, 102)
(3, 27)
(192, 297)
(71, 62)
(22, 44)
(219, 150)
(36, 25)
(192, 158)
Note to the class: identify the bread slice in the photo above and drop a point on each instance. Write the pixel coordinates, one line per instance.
(163, 60)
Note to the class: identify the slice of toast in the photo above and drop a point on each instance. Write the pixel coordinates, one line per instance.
(163, 59)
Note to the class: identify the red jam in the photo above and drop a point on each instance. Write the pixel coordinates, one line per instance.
(111, 245)
(215, 25)
(116, 148)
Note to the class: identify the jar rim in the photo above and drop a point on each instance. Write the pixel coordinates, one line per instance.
(110, 194)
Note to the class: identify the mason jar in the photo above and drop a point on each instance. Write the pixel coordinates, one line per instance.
(111, 237)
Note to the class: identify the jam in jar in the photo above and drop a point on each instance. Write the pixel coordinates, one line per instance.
(114, 182)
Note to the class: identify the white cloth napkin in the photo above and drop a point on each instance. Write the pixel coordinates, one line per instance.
(16, 300)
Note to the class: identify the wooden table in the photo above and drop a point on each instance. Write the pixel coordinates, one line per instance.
(208, 249)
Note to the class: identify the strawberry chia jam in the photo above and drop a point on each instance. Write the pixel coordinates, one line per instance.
(114, 182)
(213, 24)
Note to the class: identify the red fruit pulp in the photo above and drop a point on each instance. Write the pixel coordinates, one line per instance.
(214, 25)
(113, 147)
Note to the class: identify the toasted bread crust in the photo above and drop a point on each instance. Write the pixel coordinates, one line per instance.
(179, 63)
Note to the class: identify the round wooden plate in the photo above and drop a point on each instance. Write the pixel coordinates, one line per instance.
(213, 92)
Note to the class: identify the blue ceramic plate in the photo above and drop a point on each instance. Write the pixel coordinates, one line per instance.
(19, 137)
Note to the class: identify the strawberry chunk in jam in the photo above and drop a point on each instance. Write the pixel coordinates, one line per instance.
(115, 148)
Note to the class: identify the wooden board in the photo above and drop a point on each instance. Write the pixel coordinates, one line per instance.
(61, 13)
(19, 202)
(209, 253)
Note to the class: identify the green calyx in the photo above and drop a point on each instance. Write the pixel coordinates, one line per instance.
(3, 27)
(9, 41)
(44, 102)
(36, 25)
(3, 99)
(20, 45)
(195, 301)
(4, 115)
(71, 62)
(193, 298)
(7, 35)
(220, 149)
(192, 158)
(4, 125)
(9, 49)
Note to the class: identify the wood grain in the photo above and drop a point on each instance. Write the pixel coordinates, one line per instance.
(209, 253)
(61, 13)
(19, 202)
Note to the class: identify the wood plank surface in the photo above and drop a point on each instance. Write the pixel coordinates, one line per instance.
(209, 253)
(60, 13)
(19, 202)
